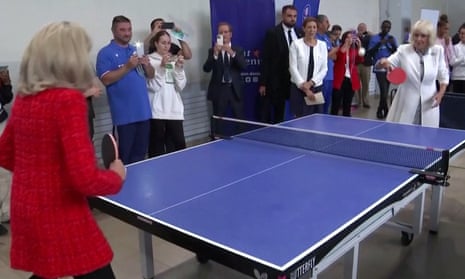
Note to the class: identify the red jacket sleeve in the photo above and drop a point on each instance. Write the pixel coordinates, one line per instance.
(80, 161)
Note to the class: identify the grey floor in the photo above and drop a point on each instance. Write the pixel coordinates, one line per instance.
(381, 254)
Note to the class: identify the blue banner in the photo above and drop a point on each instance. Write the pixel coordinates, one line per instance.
(306, 8)
(249, 20)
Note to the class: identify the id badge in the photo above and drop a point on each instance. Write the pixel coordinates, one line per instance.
(169, 69)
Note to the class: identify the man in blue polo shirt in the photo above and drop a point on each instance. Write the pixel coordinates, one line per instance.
(322, 35)
(124, 74)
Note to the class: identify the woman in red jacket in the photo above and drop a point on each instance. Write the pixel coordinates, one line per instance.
(346, 80)
(46, 145)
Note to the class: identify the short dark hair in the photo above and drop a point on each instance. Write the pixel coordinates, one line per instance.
(443, 20)
(288, 7)
(320, 18)
(344, 36)
(225, 23)
(119, 19)
(336, 27)
(386, 21)
(152, 24)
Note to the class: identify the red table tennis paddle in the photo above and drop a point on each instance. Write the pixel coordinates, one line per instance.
(109, 150)
(397, 76)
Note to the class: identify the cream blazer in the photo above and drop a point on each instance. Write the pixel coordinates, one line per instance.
(298, 62)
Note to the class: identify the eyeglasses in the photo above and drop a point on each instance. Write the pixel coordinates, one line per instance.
(416, 35)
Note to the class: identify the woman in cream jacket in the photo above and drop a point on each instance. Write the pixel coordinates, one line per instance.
(417, 99)
(306, 82)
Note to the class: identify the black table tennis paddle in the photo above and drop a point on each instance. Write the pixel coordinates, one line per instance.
(109, 150)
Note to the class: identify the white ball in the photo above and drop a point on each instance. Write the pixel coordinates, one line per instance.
(361, 51)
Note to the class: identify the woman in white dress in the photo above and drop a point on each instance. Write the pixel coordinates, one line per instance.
(417, 99)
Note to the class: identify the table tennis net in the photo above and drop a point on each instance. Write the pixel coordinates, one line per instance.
(410, 156)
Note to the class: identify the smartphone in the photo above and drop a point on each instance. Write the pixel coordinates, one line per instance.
(219, 39)
(167, 25)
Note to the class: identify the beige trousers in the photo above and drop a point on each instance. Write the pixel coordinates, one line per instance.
(364, 72)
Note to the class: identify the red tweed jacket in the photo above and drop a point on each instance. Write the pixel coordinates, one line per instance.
(340, 68)
(46, 145)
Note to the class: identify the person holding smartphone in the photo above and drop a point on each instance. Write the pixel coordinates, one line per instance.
(124, 75)
(165, 98)
(159, 24)
(226, 61)
(346, 80)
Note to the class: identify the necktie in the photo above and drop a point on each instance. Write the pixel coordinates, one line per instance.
(311, 65)
(289, 35)
(226, 73)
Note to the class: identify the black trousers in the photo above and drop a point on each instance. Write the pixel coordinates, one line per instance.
(271, 111)
(344, 95)
(226, 100)
(458, 86)
(105, 272)
(384, 84)
(165, 136)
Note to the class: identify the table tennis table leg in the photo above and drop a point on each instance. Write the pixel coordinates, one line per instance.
(418, 213)
(146, 255)
(436, 203)
(351, 263)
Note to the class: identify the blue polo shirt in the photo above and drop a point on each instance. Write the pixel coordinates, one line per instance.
(127, 97)
(325, 38)
(384, 50)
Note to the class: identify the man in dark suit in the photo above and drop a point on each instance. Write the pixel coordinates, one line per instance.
(275, 80)
(225, 61)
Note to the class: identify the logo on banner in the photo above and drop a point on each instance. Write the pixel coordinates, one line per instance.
(306, 12)
(252, 74)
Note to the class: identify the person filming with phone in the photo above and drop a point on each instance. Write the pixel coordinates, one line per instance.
(159, 24)
(225, 61)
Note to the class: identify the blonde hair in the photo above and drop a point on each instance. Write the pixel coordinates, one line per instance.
(57, 56)
(424, 27)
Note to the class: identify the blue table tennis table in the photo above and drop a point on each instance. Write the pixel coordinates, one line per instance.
(279, 211)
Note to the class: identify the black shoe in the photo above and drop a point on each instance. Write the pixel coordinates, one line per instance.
(379, 114)
(3, 230)
(385, 112)
(366, 105)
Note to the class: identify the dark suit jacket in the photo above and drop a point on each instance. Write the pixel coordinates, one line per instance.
(237, 64)
(274, 72)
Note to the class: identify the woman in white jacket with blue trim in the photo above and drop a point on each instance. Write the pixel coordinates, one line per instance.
(166, 125)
